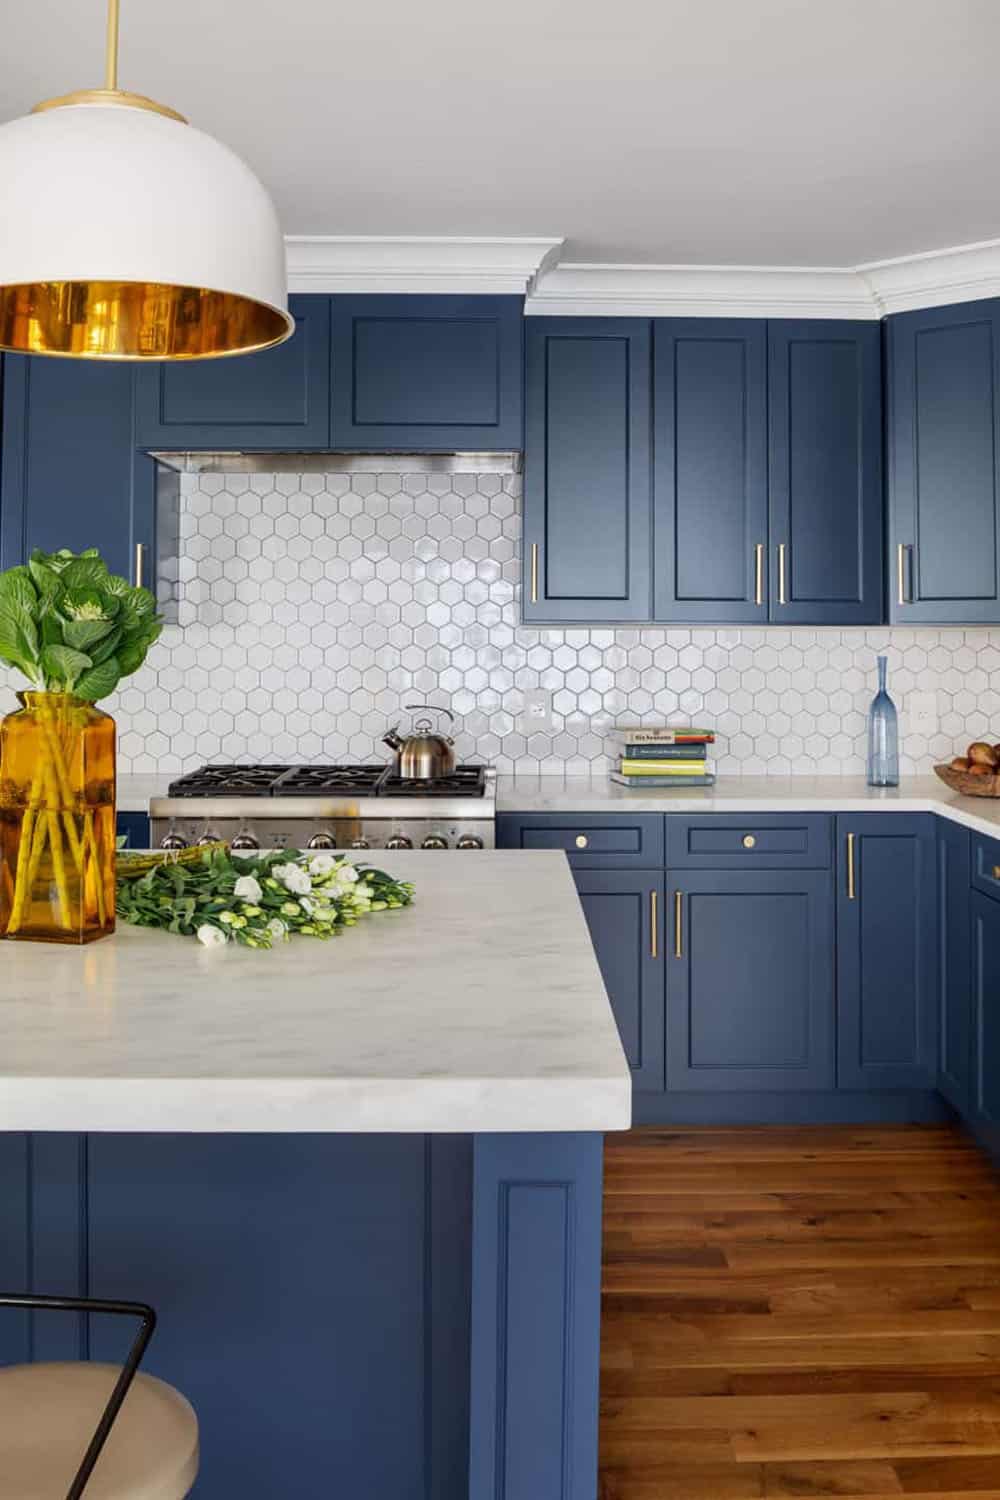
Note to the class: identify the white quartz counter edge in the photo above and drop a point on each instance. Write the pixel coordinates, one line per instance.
(747, 794)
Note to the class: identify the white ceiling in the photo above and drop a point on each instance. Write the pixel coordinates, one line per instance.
(809, 132)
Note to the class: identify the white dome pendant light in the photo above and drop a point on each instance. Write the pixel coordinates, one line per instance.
(126, 234)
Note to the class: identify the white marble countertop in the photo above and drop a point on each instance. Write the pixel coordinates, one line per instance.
(479, 1008)
(136, 789)
(582, 794)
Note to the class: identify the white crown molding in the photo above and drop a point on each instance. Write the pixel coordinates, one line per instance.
(936, 278)
(409, 263)
(701, 292)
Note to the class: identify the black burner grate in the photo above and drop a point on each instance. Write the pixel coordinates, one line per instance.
(323, 781)
(228, 781)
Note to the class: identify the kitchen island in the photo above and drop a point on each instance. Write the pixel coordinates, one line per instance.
(360, 1180)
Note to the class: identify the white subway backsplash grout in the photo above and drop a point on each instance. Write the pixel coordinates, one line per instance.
(311, 608)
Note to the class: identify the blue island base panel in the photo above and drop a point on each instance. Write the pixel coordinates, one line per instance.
(315, 1297)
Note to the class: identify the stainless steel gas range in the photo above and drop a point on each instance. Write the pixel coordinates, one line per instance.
(326, 807)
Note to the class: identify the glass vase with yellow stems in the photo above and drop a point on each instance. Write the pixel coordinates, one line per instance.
(74, 630)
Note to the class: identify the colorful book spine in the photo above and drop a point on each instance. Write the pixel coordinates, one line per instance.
(662, 768)
(661, 781)
(692, 751)
(636, 735)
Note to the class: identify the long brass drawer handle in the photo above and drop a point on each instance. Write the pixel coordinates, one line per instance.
(678, 924)
(851, 888)
(139, 555)
(758, 594)
(781, 574)
(654, 942)
(534, 572)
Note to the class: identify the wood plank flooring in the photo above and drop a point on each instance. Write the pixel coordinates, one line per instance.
(808, 1311)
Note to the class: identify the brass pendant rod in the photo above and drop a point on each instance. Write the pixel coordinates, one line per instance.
(111, 48)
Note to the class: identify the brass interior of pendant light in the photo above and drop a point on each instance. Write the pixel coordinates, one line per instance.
(131, 319)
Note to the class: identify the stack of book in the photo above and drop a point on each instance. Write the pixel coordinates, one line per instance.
(674, 755)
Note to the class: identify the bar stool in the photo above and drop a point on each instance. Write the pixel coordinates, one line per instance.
(63, 1429)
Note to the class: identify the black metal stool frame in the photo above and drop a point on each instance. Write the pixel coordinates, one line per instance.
(147, 1322)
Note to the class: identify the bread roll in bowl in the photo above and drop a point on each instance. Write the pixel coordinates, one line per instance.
(982, 754)
(960, 763)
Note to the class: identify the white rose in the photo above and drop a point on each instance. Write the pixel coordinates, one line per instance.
(212, 937)
(347, 874)
(293, 878)
(277, 929)
(247, 889)
(322, 864)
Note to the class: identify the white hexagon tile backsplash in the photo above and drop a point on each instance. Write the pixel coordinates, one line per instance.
(312, 607)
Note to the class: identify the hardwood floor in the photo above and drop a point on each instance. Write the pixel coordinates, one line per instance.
(808, 1311)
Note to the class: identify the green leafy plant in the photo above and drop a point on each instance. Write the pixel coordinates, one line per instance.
(70, 626)
(255, 902)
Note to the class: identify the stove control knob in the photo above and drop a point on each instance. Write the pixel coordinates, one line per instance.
(399, 841)
(244, 840)
(173, 841)
(209, 836)
(360, 844)
(469, 841)
(434, 841)
(322, 841)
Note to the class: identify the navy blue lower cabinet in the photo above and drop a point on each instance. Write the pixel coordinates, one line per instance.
(134, 828)
(887, 951)
(592, 841)
(279, 397)
(536, 1289)
(624, 913)
(954, 966)
(986, 1015)
(750, 980)
(427, 372)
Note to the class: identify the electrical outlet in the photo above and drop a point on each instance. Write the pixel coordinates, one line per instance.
(922, 713)
(536, 715)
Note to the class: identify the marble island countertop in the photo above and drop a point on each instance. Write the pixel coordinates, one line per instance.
(479, 1008)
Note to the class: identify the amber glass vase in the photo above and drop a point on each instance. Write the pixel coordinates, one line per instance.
(57, 820)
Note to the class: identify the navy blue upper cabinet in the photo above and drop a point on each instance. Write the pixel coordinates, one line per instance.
(825, 473)
(944, 412)
(750, 980)
(954, 969)
(279, 398)
(710, 469)
(886, 951)
(70, 475)
(417, 373)
(587, 470)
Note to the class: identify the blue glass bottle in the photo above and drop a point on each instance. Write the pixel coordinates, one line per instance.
(883, 736)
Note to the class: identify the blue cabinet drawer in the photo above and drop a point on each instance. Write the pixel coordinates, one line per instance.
(986, 865)
(734, 841)
(610, 841)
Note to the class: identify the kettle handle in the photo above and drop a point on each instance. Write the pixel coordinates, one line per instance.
(433, 708)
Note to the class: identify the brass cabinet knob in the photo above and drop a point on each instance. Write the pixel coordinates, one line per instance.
(749, 842)
(996, 872)
(582, 841)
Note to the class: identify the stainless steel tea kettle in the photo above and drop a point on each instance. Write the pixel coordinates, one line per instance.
(422, 755)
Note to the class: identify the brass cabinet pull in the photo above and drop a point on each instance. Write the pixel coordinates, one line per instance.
(139, 551)
(996, 872)
(901, 552)
(851, 888)
(654, 945)
(678, 924)
(749, 842)
(534, 572)
(582, 841)
(758, 594)
(781, 574)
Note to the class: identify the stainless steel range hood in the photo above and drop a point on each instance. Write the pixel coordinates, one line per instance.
(340, 463)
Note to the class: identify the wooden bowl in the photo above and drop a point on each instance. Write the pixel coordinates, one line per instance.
(969, 786)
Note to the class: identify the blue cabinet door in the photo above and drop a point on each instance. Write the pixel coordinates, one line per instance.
(587, 470)
(279, 398)
(70, 475)
(624, 913)
(887, 951)
(954, 969)
(710, 469)
(986, 1011)
(944, 448)
(133, 827)
(750, 980)
(825, 472)
(416, 373)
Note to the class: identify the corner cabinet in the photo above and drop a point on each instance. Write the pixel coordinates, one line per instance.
(944, 451)
(71, 476)
(955, 1038)
(986, 1014)
(887, 951)
(587, 470)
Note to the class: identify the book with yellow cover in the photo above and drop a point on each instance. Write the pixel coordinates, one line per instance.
(663, 767)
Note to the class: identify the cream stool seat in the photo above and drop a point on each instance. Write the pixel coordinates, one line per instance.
(48, 1413)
